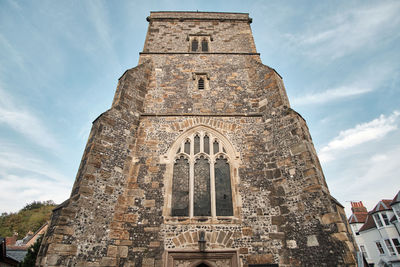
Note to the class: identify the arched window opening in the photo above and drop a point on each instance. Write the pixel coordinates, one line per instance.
(196, 144)
(201, 84)
(223, 192)
(216, 147)
(180, 187)
(206, 144)
(187, 147)
(195, 45)
(201, 180)
(204, 45)
(202, 198)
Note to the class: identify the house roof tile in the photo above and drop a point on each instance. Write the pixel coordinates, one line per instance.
(396, 199)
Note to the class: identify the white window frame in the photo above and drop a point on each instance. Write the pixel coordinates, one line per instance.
(398, 246)
(390, 247)
(379, 247)
(387, 221)
(378, 220)
(364, 251)
(396, 210)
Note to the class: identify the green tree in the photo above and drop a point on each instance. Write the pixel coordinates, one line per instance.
(30, 257)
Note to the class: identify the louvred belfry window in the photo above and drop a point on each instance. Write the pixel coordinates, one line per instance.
(201, 84)
(201, 181)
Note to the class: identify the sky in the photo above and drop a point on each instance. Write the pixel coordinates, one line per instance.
(60, 62)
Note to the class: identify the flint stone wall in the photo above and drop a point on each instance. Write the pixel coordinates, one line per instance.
(116, 214)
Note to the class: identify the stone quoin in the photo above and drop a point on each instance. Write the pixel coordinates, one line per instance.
(200, 161)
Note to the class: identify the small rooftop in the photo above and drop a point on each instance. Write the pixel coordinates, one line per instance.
(358, 218)
(382, 205)
(396, 199)
(369, 223)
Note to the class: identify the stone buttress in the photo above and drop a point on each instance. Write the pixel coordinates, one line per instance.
(199, 79)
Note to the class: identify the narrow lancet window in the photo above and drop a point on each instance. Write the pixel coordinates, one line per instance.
(196, 144)
(206, 143)
(204, 45)
(187, 147)
(180, 187)
(216, 147)
(195, 45)
(223, 191)
(202, 198)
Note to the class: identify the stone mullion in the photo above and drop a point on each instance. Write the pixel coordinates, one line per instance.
(201, 135)
(212, 176)
(212, 187)
(191, 177)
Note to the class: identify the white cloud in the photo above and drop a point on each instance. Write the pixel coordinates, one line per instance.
(349, 30)
(360, 134)
(25, 178)
(331, 94)
(22, 120)
(368, 179)
(23, 189)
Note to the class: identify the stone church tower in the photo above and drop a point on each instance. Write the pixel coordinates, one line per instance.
(200, 161)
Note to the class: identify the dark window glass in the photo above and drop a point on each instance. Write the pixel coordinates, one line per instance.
(216, 147)
(204, 45)
(385, 219)
(396, 244)
(195, 45)
(202, 202)
(206, 141)
(201, 84)
(180, 187)
(223, 192)
(196, 144)
(380, 248)
(187, 147)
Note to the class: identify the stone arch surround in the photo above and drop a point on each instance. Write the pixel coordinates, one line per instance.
(168, 159)
(215, 239)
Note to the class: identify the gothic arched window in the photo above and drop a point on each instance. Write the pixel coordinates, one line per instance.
(195, 45)
(201, 177)
(204, 45)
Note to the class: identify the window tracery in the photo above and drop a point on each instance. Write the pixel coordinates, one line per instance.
(201, 177)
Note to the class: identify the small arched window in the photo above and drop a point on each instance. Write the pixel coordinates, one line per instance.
(204, 45)
(201, 181)
(195, 45)
(199, 43)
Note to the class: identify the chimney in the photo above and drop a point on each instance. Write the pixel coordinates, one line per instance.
(358, 207)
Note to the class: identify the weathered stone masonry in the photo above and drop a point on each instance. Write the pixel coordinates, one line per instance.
(119, 211)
